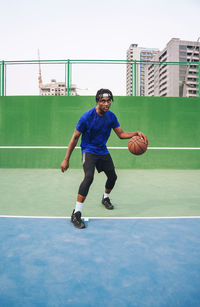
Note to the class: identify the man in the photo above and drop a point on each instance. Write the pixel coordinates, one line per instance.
(95, 127)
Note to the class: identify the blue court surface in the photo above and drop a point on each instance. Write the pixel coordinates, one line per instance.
(113, 262)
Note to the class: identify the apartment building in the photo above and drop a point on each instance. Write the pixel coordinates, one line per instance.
(179, 77)
(56, 89)
(135, 74)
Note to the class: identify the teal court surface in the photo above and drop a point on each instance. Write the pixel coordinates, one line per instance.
(146, 252)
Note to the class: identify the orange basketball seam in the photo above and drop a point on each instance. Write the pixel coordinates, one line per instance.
(130, 147)
(141, 148)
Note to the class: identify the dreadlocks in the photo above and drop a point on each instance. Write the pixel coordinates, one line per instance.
(104, 93)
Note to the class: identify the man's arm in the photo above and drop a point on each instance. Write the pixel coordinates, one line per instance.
(72, 144)
(127, 135)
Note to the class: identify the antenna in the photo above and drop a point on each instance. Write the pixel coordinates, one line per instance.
(40, 72)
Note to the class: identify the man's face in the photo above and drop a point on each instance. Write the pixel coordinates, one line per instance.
(104, 104)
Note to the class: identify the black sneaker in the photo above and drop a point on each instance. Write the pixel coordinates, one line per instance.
(76, 220)
(107, 203)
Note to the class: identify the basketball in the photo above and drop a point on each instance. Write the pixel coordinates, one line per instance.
(137, 145)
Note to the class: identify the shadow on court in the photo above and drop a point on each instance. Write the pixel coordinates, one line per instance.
(113, 262)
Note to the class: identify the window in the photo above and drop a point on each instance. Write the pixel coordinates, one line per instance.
(192, 92)
(182, 47)
(163, 55)
(183, 53)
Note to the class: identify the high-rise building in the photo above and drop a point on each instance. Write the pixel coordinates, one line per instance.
(135, 73)
(174, 78)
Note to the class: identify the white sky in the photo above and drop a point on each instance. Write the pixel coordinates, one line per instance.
(89, 29)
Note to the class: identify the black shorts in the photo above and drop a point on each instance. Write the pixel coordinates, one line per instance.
(103, 163)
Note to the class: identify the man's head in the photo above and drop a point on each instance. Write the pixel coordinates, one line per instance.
(103, 99)
(104, 93)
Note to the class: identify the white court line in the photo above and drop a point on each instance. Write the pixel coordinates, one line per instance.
(78, 147)
(101, 218)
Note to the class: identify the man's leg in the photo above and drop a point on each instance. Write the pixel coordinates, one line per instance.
(109, 170)
(111, 179)
(88, 167)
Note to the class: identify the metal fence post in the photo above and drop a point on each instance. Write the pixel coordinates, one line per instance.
(199, 78)
(132, 78)
(135, 79)
(2, 78)
(65, 79)
(5, 85)
(68, 76)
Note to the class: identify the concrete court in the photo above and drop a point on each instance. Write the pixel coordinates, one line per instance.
(138, 193)
(45, 262)
(137, 262)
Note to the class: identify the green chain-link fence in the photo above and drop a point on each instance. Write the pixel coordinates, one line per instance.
(123, 77)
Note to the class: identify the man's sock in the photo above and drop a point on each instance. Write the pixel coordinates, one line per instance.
(78, 207)
(105, 195)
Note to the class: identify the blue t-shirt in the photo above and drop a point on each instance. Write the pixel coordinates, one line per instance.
(96, 130)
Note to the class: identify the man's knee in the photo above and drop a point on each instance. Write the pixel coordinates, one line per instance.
(112, 177)
(89, 177)
(85, 185)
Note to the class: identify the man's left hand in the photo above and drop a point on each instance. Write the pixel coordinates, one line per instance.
(142, 135)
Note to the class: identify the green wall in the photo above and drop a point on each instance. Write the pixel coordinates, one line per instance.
(50, 121)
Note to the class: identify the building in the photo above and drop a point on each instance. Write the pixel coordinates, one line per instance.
(174, 79)
(56, 89)
(135, 73)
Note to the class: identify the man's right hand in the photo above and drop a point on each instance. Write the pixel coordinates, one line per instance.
(72, 144)
(64, 165)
